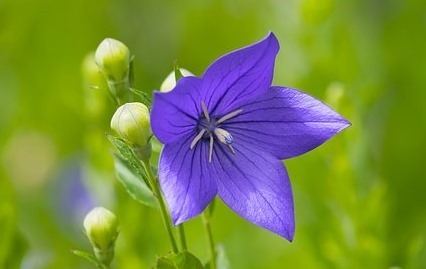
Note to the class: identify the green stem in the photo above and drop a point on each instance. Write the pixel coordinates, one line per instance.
(119, 90)
(182, 237)
(163, 210)
(209, 234)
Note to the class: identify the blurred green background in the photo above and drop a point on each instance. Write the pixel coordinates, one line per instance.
(360, 198)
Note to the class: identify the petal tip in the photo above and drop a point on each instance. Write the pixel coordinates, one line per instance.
(289, 236)
(272, 36)
(287, 232)
(345, 124)
(179, 218)
(176, 221)
(272, 40)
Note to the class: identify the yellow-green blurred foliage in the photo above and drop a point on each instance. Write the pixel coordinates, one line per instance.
(359, 199)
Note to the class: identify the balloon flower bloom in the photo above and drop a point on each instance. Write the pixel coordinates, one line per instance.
(226, 132)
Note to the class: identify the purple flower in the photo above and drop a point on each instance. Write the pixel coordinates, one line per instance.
(226, 133)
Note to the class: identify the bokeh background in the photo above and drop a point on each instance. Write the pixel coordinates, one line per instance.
(360, 198)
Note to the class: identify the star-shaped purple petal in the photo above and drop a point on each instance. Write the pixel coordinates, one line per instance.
(226, 133)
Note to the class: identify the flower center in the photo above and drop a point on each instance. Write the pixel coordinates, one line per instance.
(208, 128)
(203, 123)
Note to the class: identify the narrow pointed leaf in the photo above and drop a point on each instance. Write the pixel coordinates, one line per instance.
(136, 188)
(127, 154)
(87, 256)
(142, 97)
(131, 173)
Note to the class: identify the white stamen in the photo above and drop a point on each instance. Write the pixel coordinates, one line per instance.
(224, 136)
(211, 148)
(231, 148)
(212, 129)
(206, 113)
(229, 115)
(197, 138)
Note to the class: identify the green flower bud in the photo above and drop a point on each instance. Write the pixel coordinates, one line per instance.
(96, 102)
(113, 57)
(170, 82)
(101, 227)
(92, 75)
(131, 123)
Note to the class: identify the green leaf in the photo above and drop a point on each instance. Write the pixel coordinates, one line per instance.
(142, 96)
(131, 173)
(85, 255)
(137, 188)
(182, 260)
(127, 154)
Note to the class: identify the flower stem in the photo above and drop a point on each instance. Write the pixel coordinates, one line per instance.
(182, 237)
(163, 209)
(209, 234)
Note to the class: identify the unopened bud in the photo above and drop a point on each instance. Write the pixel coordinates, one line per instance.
(101, 227)
(131, 123)
(96, 102)
(92, 74)
(170, 82)
(113, 57)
